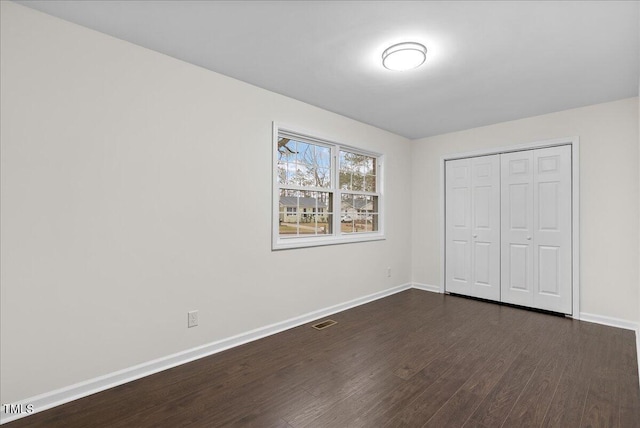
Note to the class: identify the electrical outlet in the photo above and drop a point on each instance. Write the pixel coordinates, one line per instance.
(388, 272)
(192, 319)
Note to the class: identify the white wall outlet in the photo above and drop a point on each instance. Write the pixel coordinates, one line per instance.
(192, 319)
(388, 272)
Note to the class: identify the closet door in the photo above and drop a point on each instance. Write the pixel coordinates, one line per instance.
(552, 235)
(458, 226)
(536, 228)
(473, 227)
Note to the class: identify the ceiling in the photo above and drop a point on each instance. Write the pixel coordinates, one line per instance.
(487, 62)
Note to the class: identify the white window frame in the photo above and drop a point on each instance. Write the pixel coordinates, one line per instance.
(338, 237)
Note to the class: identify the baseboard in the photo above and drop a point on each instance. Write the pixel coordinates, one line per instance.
(612, 322)
(638, 352)
(426, 287)
(82, 389)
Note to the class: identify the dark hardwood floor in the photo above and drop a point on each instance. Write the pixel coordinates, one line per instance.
(412, 359)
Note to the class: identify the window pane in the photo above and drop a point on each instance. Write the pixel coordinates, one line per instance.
(370, 183)
(366, 223)
(282, 173)
(305, 175)
(345, 180)
(322, 177)
(359, 203)
(371, 162)
(347, 204)
(292, 174)
(345, 162)
(357, 181)
(286, 150)
(302, 152)
(323, 157)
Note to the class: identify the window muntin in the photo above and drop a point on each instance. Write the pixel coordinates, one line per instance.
(324, 192)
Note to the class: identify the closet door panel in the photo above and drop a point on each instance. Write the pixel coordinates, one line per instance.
(485, 236)
(458, 226)
(473, 227)
(552, 221)
(517, 228)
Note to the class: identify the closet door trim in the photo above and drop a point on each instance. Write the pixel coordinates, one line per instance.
(574, 142)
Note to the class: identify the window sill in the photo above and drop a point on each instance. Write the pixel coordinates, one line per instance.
(291, 243)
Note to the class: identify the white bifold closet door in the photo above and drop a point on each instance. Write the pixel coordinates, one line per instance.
(536, 228)
(472, 204)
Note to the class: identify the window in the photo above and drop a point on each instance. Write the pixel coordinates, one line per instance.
(324, 192)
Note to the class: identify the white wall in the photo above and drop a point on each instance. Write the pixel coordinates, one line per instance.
(135, 188)
(120, 169)
(608, 206)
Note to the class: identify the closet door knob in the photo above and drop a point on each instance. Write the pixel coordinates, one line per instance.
(528, 238)
(475, 236)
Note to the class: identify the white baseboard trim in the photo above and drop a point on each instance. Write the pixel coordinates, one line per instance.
(82, 389)
(426, 287)
(612, 322)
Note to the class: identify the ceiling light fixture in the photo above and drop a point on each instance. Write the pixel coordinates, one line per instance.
(404, 56)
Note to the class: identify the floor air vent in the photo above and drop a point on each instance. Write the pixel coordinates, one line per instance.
(324, 324)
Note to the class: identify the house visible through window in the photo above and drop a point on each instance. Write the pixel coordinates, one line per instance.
(324, 192)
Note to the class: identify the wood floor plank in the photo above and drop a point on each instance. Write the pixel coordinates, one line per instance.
(412, 359)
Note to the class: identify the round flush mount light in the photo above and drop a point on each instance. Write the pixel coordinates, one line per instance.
(404, 56)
